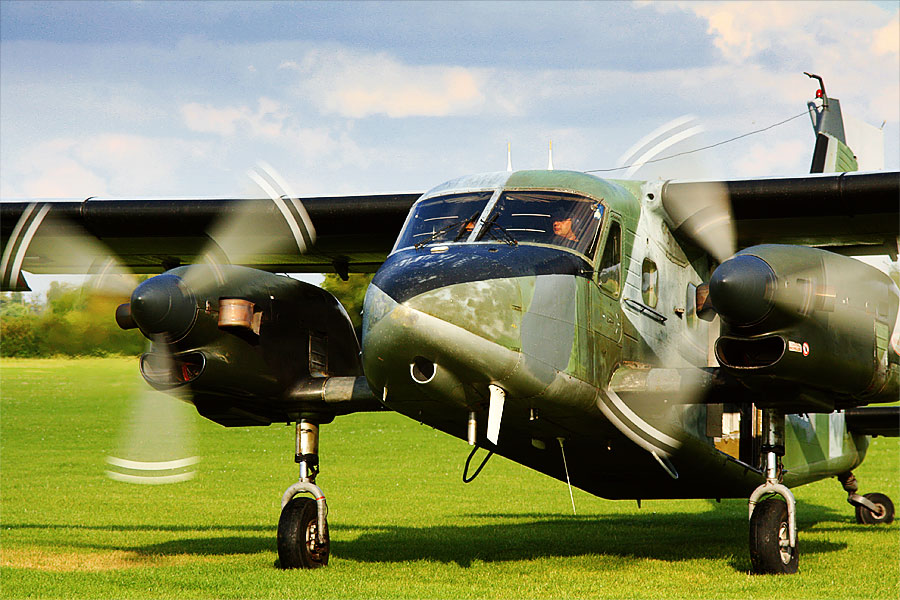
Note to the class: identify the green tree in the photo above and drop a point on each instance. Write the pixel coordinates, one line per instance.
(75, 322)
(65, 297)
(351, 293)
(15, 304)
(19, 336)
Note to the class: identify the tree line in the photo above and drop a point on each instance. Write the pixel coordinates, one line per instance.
(71, 321)
(80, 321)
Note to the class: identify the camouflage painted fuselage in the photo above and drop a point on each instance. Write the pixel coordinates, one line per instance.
(559, 330)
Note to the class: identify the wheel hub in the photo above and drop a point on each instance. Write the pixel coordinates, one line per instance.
(315, 551)
(784, 544)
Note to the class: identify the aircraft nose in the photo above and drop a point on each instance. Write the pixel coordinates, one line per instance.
(429, 329)
(742, 289)
(163, 305)
(412, 274)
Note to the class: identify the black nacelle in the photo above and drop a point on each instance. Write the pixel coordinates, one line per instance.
(809, 327)
(238, 370)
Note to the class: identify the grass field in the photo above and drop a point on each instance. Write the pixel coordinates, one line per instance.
(402, 523)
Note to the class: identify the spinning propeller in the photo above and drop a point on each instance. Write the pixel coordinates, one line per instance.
(154, 445)
(165, 309)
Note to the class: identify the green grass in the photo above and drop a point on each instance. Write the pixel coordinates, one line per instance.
(402, 523)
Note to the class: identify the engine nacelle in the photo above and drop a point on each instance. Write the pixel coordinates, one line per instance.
(239, 340)
(810, 329)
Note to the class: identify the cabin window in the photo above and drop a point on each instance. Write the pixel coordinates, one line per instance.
(443, 219)
(690, 308)
(556, 218)
(610, 264)
(649, 283)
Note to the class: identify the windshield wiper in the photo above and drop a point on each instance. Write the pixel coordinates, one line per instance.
(505, 237)
(461, 223)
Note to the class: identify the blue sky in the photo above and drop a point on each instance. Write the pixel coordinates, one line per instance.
(153, 98)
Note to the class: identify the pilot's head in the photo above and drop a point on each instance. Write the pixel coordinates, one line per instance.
(563, 228)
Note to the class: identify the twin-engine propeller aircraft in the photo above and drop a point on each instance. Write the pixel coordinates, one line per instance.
(600, 331)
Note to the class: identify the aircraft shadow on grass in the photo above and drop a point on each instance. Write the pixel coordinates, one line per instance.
(670, 537)
(718, 533)
(173, 528)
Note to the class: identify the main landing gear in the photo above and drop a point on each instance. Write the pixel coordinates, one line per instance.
(303, 541)
(773, 522)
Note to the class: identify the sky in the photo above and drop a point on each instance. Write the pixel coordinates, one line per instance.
(181, 98)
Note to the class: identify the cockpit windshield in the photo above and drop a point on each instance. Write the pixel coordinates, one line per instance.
(557, 218)
(554, 218)
(443, 219)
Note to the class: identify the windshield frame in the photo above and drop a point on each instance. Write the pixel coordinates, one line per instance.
(405, 237)
(490, 217)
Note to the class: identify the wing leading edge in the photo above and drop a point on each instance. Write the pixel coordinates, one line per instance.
(847, 213)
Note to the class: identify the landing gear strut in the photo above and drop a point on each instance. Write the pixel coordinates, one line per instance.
(773, 522)
(303, 541)
(871, 509)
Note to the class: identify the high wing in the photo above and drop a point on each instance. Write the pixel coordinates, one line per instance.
(851, 213)
(847, 213)
(354, 233)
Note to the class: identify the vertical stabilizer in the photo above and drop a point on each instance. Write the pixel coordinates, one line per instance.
(835, 134)
(832, 154)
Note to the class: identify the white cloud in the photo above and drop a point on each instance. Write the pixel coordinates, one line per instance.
(276, 123)
(50, 170)
(99, 165)
(267, 121)
(209, 119)
(742, 29)
(849, 44)
(356, 85)
(787, 157)
(887, 39)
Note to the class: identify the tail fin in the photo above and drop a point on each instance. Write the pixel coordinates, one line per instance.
(834, 133)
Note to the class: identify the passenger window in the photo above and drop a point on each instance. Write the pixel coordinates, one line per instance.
(610, 263)
(649, 283)
(690, 308)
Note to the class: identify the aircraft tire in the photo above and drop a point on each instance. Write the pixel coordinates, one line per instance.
(296, 536)
(866, 517)
(768, 527)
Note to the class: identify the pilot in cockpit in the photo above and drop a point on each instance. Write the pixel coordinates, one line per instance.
(563, 229)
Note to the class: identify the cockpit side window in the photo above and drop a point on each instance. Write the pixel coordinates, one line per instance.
(609, 269)
(556, 218)
(443, 219)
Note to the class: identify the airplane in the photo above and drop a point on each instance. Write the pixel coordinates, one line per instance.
(635, 339)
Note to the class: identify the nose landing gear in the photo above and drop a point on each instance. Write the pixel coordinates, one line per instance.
(303, 541)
